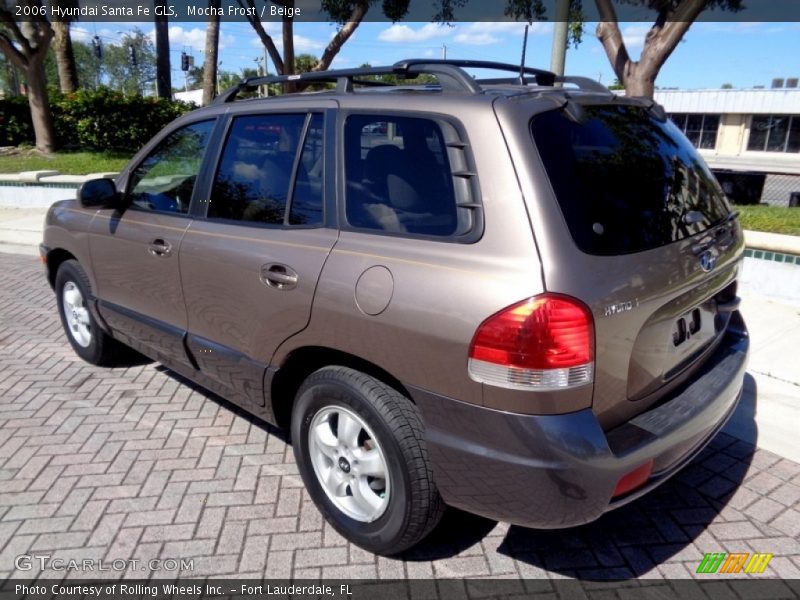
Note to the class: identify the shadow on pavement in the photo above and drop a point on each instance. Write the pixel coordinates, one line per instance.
(282, 434)
(632, 540)
(622, 544)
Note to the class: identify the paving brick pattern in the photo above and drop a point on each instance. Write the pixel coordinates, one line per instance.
(135, 463)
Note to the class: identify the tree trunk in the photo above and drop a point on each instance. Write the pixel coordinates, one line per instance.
(163, 73)
(344, 33)
(265, 38)
(638, 82)
(288, 51)
(25, 45)
(40, 106)
(211, 54)
(65, 58)
(639, 77)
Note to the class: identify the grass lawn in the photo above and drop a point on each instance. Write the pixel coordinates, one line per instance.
(774, 219)
(66, 163)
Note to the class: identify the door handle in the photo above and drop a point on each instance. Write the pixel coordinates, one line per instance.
(279, 276)
(159, 247)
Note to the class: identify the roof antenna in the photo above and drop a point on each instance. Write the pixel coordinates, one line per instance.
(522, 60)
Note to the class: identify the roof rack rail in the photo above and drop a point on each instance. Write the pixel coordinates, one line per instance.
(450, 73)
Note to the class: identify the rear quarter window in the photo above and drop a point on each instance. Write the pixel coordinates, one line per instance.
(625, 180)
(399, 179)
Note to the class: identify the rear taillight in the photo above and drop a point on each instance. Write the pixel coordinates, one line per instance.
(543, 343)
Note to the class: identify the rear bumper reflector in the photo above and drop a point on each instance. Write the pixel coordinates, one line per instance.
(633, 479)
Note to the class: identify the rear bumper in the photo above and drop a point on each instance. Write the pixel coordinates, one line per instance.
(558, 471)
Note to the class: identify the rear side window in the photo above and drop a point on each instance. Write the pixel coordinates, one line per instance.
(258, 166)
(399, 178)
(625, 180)
(306, 208)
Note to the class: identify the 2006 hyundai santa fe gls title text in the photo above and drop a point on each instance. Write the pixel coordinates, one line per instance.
(516, 296)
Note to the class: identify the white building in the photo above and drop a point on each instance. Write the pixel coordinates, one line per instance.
(195, 96)
(750, 138)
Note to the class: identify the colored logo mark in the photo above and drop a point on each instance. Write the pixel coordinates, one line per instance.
(722, 562)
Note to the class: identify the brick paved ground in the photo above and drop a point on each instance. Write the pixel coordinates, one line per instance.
(135, 463)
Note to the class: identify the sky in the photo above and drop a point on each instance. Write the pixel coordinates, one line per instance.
(711, 54)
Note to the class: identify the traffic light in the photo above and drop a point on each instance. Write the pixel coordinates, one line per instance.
(97, 45)
(184, 61)
(132, 55)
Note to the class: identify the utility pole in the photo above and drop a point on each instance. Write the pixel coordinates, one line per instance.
(558, 57)
(266, 71)
(258, 60)
(444, 51)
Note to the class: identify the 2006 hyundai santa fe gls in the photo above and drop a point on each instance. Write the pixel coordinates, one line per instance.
(516, 296)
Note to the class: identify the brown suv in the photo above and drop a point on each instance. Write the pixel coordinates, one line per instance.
(515, 295)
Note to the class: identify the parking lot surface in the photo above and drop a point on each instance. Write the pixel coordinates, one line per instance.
(137, 463)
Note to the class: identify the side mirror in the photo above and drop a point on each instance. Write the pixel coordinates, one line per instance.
(98, 193)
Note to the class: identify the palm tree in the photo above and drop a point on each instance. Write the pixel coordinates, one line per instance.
(163, 73)
(211, 54)
(65, 57)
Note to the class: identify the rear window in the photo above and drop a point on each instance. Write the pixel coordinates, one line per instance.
(625, 180)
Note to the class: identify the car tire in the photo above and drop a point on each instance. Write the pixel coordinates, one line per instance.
(89, 341)
(348, 428)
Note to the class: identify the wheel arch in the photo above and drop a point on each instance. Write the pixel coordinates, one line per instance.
(301, 362)
(55, 258)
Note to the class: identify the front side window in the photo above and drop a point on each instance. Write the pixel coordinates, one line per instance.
(164, 180)
(398, 177)
(256, 171)
(774, 133)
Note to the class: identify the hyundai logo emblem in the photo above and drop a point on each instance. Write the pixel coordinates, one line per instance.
(707, 261)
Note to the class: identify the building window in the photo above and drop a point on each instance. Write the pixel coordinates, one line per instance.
(700, 129)
(774, 133)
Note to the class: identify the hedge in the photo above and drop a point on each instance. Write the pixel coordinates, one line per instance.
(93, 120)
(15, 122)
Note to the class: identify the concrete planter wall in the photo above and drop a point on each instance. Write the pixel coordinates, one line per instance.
(39, 189)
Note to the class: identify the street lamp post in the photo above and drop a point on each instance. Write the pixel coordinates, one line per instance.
(559, 53)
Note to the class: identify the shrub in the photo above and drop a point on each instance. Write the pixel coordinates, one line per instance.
(97, 120)
(108, 120)
(15, 122)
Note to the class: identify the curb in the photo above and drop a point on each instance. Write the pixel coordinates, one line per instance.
(772, 242)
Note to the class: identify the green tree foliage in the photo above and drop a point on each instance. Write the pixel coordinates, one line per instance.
(347, 14)
(92, 119)
(114, 69)
(228, 79)
(90, 69)
(25, 43)
(672, 20)
(121, 74)
(421, 79)
(8, 83)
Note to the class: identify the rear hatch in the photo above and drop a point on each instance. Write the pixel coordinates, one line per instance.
(642, 233)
